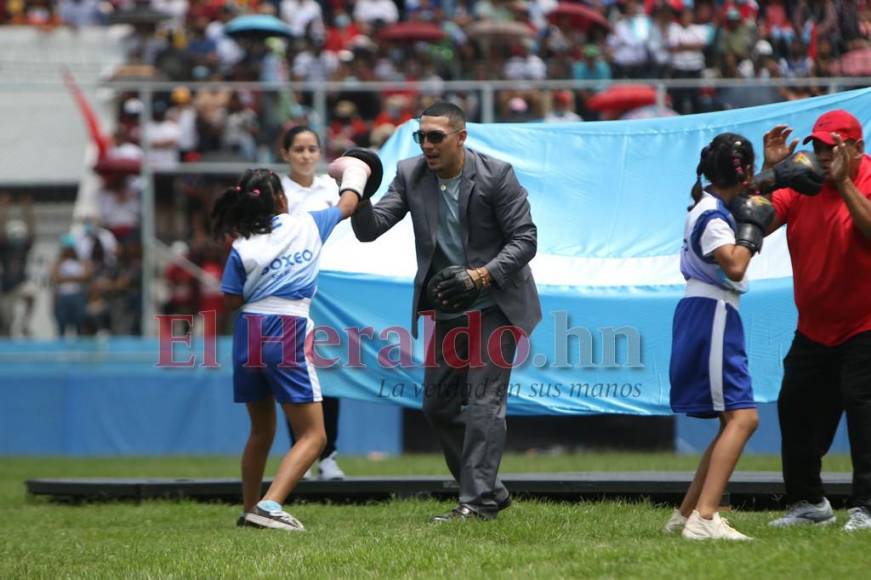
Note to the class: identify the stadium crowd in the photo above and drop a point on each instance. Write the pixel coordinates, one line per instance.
(424, 42)
(364, 40)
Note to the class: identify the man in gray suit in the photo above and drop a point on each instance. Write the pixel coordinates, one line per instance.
(467, 210)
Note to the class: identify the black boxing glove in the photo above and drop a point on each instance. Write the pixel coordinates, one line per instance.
(800, 171)
(753, 214)
(453, 290)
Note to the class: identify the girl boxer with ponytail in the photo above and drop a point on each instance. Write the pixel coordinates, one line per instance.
(709, 372)
(271, 275)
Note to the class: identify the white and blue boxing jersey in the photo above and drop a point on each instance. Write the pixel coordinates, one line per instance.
(281, 264)
(709, 225)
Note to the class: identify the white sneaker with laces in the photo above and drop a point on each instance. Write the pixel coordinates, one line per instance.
(716, 528)
(675, 523)
(805, 513)
(329, 469)
(860, 519)
(268, 514)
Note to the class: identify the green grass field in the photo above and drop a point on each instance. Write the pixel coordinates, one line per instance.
(167, 539)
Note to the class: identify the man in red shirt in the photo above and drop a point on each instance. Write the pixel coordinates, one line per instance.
(828, 368)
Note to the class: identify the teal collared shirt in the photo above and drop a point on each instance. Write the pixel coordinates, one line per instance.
(449, 239)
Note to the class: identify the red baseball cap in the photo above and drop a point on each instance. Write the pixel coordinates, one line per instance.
(838, 121)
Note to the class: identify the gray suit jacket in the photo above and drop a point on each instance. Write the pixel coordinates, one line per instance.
(497, 229)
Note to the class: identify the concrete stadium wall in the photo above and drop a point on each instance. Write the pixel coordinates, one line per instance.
(43, 136)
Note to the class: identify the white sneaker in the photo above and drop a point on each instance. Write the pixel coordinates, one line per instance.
(860, 519)
(675, 523)
(268, 514)
(716, 528)
(804, 513)
(308, 474)
(329, 469)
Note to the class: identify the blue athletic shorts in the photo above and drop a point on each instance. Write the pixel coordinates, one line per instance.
(281, 368)
(708, 372)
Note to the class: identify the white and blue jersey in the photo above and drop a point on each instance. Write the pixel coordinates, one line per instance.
(280, 264)
(708, 372)
(276, 275)
(709, 225)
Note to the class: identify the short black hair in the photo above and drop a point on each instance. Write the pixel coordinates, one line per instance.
(446, 109)
(291, 134)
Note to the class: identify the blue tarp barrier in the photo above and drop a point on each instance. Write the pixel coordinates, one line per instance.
(107, 398)
(90, 397)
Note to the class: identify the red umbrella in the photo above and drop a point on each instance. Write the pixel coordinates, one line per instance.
(577, 16)
(649, 112)
(107, 166)
(856, 63)
(507, 30)
(620, 98)
(413, 31)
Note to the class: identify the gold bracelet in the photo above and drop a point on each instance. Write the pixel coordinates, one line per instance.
(485, 277)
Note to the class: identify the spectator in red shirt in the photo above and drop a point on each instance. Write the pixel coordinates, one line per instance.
(346, 130)
(828, 368)
(339, 37)
(209, 291)
(181, 283)
(395, 112)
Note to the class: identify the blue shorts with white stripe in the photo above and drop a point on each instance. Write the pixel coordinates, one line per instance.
(270, 359)
(708, 369)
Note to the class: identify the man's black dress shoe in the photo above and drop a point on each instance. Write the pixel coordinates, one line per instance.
(461, 513)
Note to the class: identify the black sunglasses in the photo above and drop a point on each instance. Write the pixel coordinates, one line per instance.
(434, 137)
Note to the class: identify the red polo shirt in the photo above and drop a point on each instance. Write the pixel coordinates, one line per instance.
(831, 261)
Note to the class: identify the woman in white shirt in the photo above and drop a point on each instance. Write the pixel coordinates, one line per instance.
(687, 42)
(304, 187)
(308, 190)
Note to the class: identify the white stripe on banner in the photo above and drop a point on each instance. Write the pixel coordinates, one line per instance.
(715, 360)
(392, 256)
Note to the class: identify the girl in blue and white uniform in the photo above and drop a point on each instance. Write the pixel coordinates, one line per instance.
(271, 274)
(709, 372)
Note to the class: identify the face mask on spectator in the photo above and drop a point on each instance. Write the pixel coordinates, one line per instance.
(16, 232)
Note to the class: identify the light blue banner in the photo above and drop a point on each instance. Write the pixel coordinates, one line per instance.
(610, 201)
